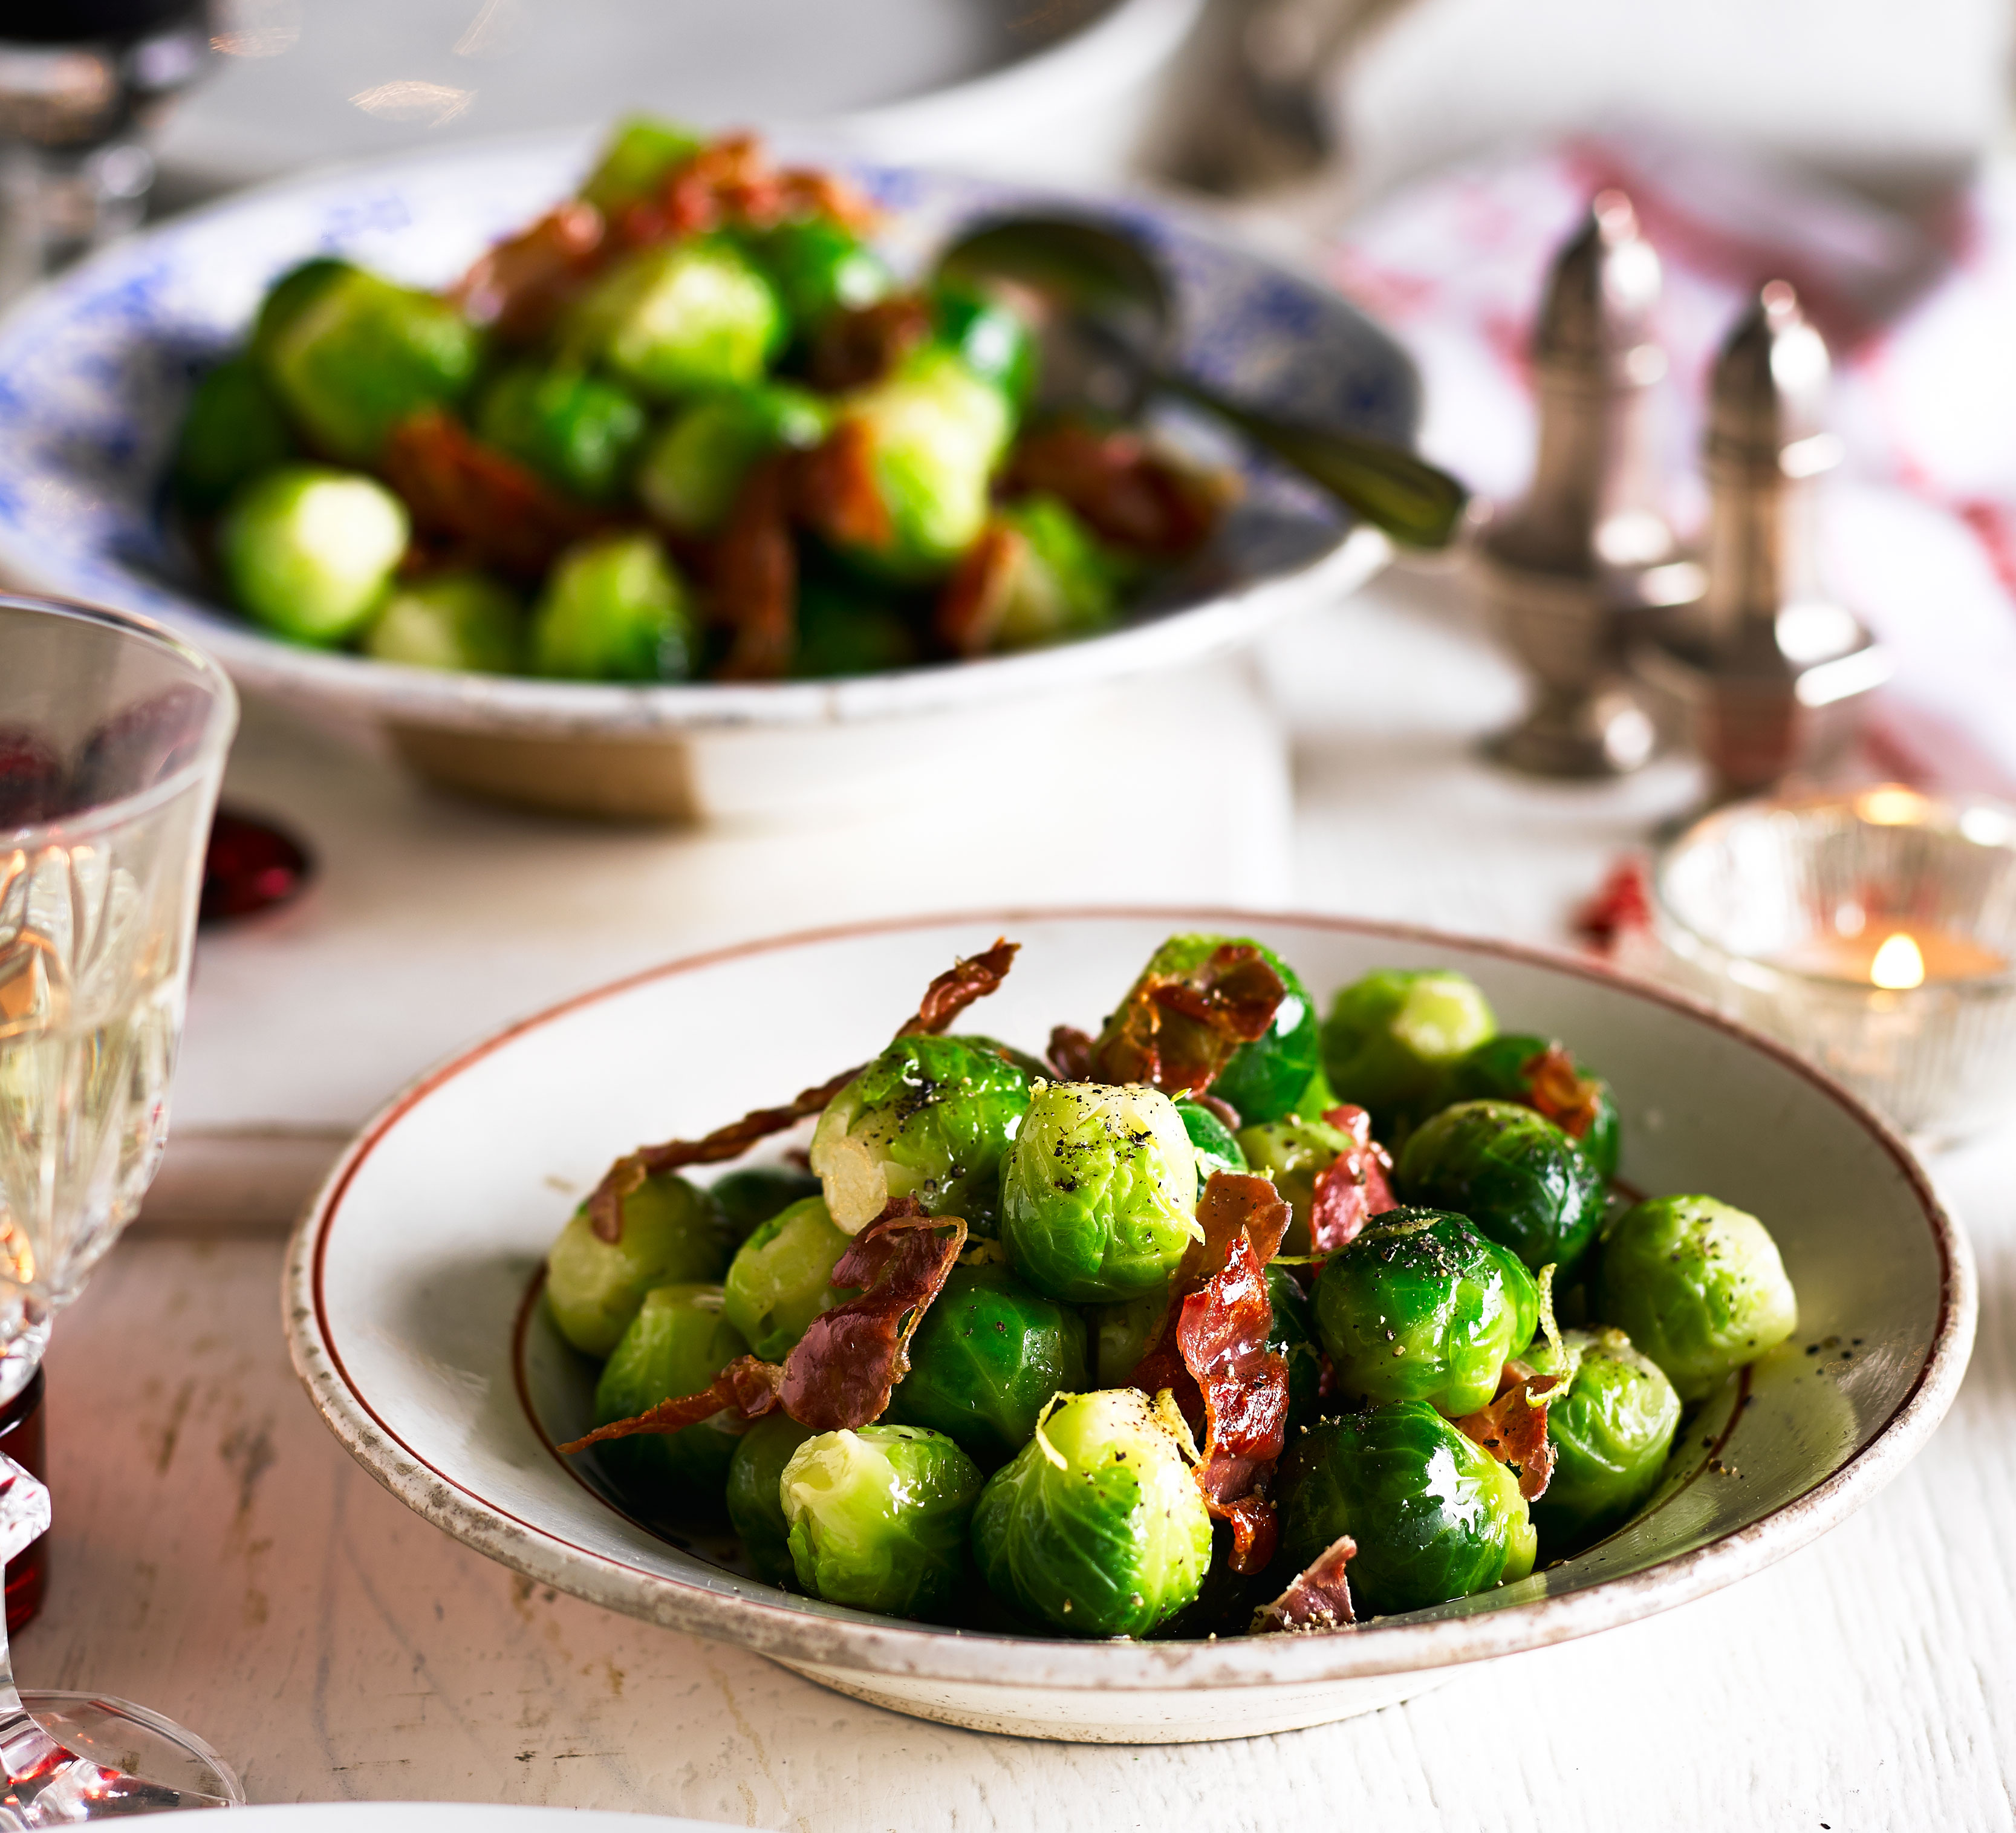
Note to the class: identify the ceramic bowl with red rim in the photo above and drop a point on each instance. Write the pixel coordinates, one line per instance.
(408, 1317)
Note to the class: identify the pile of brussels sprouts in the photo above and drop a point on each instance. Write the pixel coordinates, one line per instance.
(1485, 1362)
(687, 426)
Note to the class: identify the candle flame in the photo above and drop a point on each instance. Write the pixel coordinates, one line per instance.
(1898, 964)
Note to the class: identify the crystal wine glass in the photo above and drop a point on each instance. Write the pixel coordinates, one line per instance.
(113, 735)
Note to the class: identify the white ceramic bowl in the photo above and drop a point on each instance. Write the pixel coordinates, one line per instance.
(94, 370)
(405, 1282)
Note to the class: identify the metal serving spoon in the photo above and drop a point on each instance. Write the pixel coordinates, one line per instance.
(1107, 317)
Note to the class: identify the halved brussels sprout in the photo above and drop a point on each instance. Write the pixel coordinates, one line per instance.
(1392, 1038)
(1097, 1526)
(614, 609)
(1513, 1174)
(460, 620)
(1098, 1197)
(1421, 1307)
(1120, 1332)
(1436, 1516)
(1611, 1432)
(1218, 1147)
(931, 1117)
(758, 1192)
(681, 317)
(695, 469)
(677, 1342)
(673, 1234)
(781, 1277)
(1521, 1068)
(877, 1518)
(309, 551)
(640, 155)
(931, 434)
(987, 1360)
(1698, 1286)
(576, 430)
(1294, 1333)
(349, 356)
(820, 267)
(233, 430)
(1052, 580)
(755, 1494)
(1293, 1153)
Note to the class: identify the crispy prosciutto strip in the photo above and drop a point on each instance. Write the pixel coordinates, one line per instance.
(1552, 1089)
(756, 579)
(840, 1373)
(1514, 1428)
(855, 347)
(1317, 1600)
(1070, 1053)
(834, 489)
(971, 602)
(1355, 1188)
(521, 285)
(500, 512)
(1176, 1032)
(1213, 1349)
(730, 182)
(945, 998)
(1116, 484)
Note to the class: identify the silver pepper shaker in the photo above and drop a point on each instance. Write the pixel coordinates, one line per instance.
(1769, 675)
(1570, 571)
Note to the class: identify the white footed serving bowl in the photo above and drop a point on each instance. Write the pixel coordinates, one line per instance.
(95, 369)
(407, 1285)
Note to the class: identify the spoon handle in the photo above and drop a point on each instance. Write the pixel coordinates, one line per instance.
(1412, 500)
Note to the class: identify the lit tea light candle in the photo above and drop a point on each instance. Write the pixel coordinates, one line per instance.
(1875, 934)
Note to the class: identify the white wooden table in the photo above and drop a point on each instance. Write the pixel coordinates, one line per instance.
(217, 1557)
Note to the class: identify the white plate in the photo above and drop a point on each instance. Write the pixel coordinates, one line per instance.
(407, 1276)
(450, 1816)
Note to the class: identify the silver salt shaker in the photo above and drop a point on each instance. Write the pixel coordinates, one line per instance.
(1571, 573)
(1769, 675)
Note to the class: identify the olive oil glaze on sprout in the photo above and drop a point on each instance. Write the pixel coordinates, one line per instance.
(1221, 1320)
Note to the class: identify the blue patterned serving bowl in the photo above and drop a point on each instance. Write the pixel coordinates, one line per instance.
(96, 367)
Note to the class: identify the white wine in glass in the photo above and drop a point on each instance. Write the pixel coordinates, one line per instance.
(113, 737)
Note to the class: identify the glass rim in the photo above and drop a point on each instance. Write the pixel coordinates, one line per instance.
(1665, 909)
(218, 728)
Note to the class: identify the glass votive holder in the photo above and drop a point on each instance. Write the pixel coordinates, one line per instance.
(1874, 933)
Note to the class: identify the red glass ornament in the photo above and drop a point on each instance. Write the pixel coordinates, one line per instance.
(251, 865)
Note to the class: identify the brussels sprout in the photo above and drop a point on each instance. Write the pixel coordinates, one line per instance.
(232, 431)
(931, 1117)
(682, 317)
(1294, 1153)
(1436, 1516)
(1611, 1432)
(614, 609)
(1698, 1286)
(820, 267)
(677, 1342)
(639, 153)
(465, 620)
(309, 551)
(986, 1360)
(1392, 1038)
(752, 1196)
(1262, 1079)
(992, 339)
(878, 1518)
(1507, 1069)
(576, 430)
(847, 629)
(694, 470)
(1317, 1100)
(1514, 1174)
(781, 1277)
(1420, 1307)
(1099, 1197)
(931, 434)
(1033, 1067)
(673, 1234)
(1121, 1332)
(1051, 580)
(1096, 1527)
(755, 1498)
(349, 356)
(1294, 1333)
(1217, 1149)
